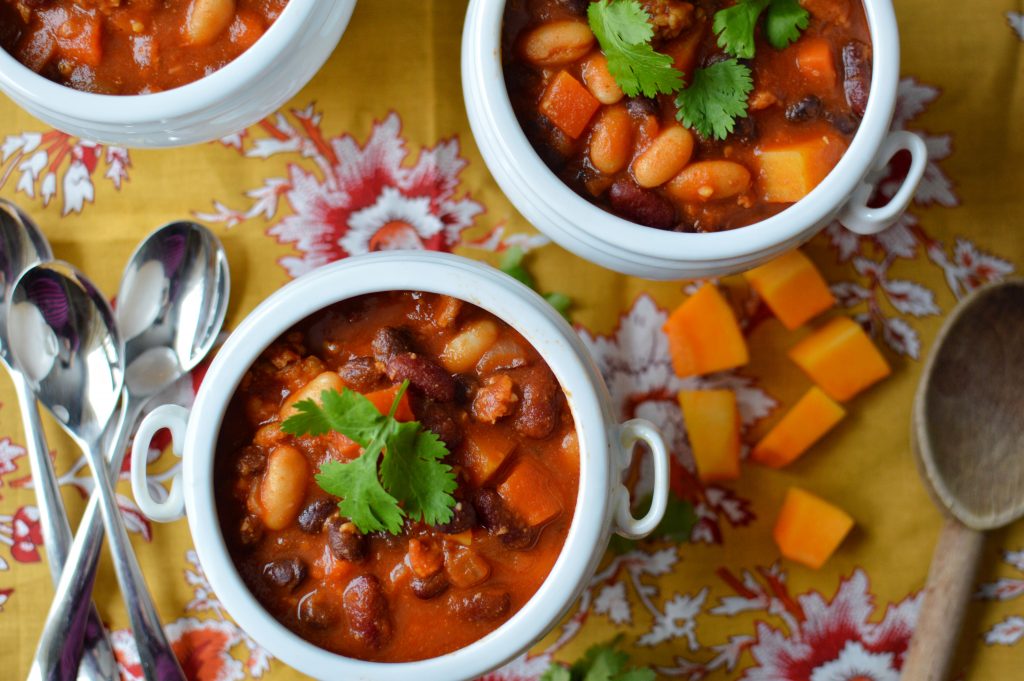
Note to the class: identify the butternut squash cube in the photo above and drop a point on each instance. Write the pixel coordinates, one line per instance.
(840, 358)
(713, 426)
(809, 529)
(807, 422)
(792, 287)
(704, 336)
(486, 449)
(788, 172)
(568, 104)
(528, 492)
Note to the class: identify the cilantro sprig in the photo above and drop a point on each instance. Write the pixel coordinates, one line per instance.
(602, 662)
(511, 263)
(715, 99)
(624, 31)
(412, 481)
(735, 25)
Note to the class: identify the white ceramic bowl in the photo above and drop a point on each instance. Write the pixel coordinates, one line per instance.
(603, 238)
(230, 99)
(603, 504)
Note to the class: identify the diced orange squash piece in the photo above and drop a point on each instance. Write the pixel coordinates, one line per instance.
(713, 426)
(840, 358)
(383, 399)
(816, 62)
(807, 422)
(486, 449)
(568, 104)
(792, 287)
(528, 492)
(704, 336)
(788, 172)
(79, 37)
(809, 529)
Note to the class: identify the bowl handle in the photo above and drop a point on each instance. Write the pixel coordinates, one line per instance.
(857, 216)
(175, 419)
(630, 433)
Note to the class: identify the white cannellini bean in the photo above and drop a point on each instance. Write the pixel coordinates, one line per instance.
(328, 380)
(207, 19)
(465, 350)
(283, 487)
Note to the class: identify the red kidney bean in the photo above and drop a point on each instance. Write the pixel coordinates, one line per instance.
(805, 109)
(444, 420)
(537, 410)
(251, 461)
(423, 374)
(857, 75)
(366, 607)
(463, 518)
(286, 573)
(632, 202)
(481, 605)
(319, 609)
(390, 341)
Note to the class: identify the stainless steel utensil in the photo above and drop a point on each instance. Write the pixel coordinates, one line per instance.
(172, 302)
(22, 245)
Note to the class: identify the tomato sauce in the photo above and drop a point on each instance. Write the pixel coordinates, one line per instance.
(126, 47)
(429, 590)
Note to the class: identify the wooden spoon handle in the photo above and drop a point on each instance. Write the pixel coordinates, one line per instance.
(950, 582)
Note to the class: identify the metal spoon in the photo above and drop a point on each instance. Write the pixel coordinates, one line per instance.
(21, 246)
(968, 432)
(172, 302)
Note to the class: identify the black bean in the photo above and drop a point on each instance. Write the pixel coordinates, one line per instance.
(429, 587)
(632, 202)
(642, 106)
(390, 341)
(520, 538)
(843, 122)
(423, 374)
(285, 572)
(856, 75)
(311, 518)
(744, 131)
(481, 605)
(345, 541)
(463, 518)
(318, 609)
(803, 110)
(362, 374)
(366, 607)
(251, 530)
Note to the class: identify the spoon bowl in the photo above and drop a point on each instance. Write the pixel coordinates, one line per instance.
(22, 245)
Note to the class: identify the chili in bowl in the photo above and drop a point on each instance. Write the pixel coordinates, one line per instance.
(401, 465)
(158, 73)
(674, 138)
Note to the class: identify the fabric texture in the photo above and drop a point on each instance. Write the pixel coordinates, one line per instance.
(377, 153)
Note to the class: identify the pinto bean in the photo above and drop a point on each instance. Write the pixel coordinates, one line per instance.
(362, 374)
(345, 541)
(482, 605)
(856, 75)
(283, 487)
(423, 374)
(285, 573)
(556, 43)
(642, 206)
(367, 610)
(311, 519)
(664, 158)
(429, 587)
(390, 341)
(709, 180)
(611, 142)
(207, 19)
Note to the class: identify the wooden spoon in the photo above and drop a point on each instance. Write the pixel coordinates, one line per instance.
(968, 433)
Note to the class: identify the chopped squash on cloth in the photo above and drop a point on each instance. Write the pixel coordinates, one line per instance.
(841, 359)
(807, 422)
(713, 426)
(792, 287)
(704, 336)
(809, 529)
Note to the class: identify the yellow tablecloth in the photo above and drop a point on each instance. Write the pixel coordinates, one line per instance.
(377, 150)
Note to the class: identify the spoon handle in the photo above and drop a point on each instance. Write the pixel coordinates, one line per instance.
(98, 663)
(946, 595)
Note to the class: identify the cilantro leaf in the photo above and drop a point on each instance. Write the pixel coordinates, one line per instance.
(556, 673)
(602, 662)
(715, 99)
(363, 499)
(784, 22)
(410, 470)
(560, 302)
(347, 412)
(735, 26)
(511, 263)
(623, 29)
(413, 472)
